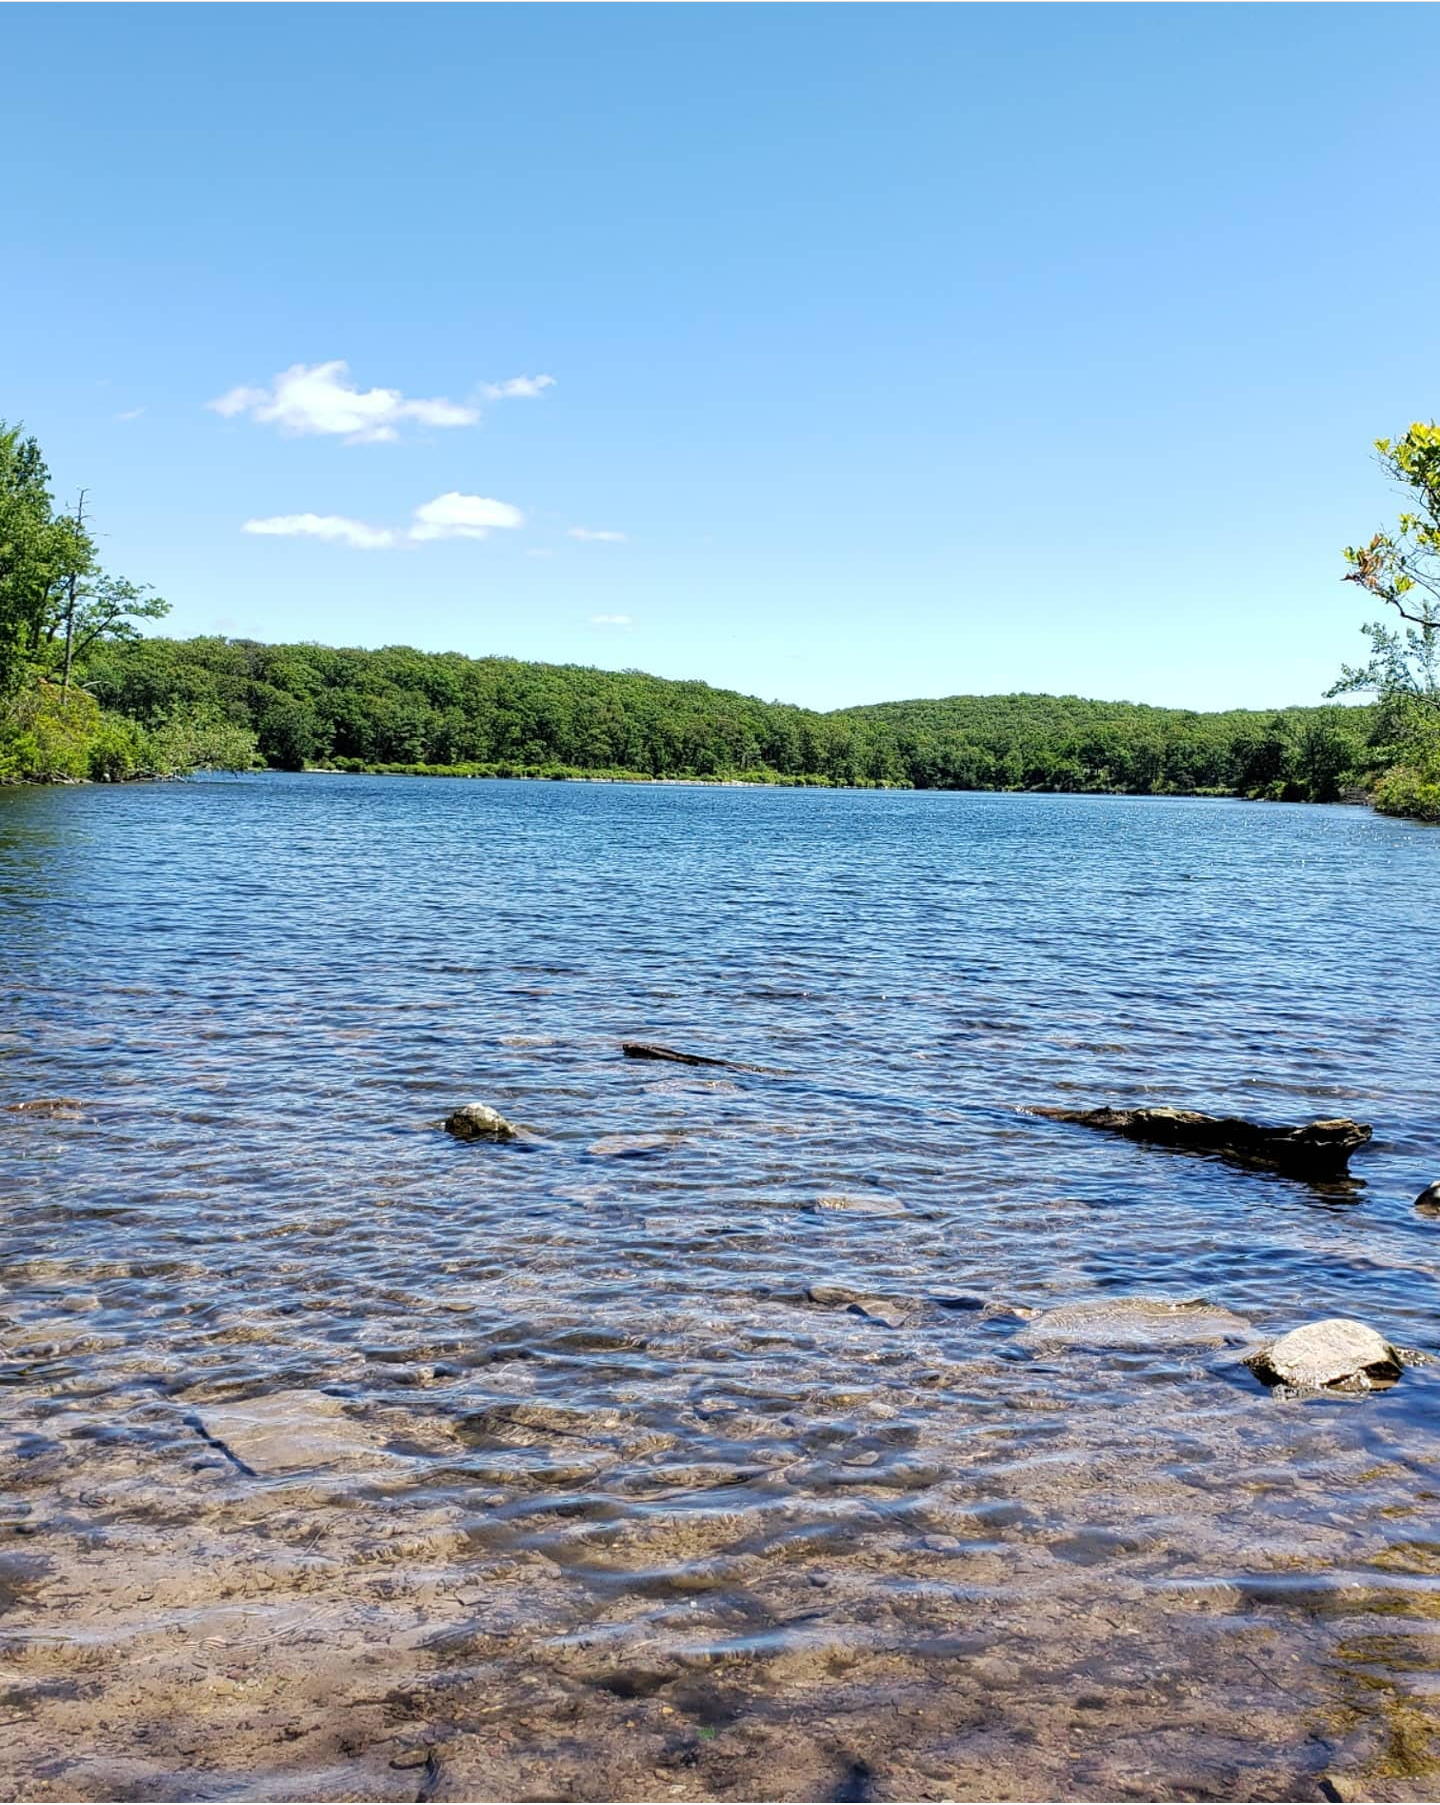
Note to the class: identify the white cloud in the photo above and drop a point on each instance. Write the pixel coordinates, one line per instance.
(517, 388)
(585, 532)
(131, 413)
(539, 551)
(611, 620)
(456, 516)
(320, 398)
(334, 527)
(451, 516)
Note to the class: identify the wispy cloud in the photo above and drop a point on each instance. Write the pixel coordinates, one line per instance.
(539, 551)
(585, 532)
(451, 516)
(334, 527)
(611, 620)
(517, 388)
(131, 413)
(321, 398)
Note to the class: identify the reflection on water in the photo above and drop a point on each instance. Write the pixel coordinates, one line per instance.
(713, 1440)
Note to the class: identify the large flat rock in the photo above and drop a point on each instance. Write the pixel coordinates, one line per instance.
(1137, 1322)
(291, 1432)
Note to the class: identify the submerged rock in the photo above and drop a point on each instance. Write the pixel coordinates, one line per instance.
(1428, 1202)
(54, 1109)
(1137, 1322)
(1308, 1150)
(288, 1432)
(832, 1297)
(633, 1146)
(861, 1204)
(893, 1312)
(478, 1122)
(1337, 1354)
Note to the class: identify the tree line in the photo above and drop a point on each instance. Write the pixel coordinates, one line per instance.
(402, 709)
(83, 694)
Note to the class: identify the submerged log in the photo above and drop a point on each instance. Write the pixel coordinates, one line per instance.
(646, 1049)
(1309, 1150)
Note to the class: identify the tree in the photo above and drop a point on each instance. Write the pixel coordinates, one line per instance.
(55, 601)
(1402, 568)
(39, 550)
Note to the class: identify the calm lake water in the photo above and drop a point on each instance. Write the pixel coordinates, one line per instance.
(342, 1459)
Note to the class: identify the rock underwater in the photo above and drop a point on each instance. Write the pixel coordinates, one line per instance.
(1308, 1150)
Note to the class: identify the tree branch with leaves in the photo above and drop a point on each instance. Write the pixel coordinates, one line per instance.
(1402, 569)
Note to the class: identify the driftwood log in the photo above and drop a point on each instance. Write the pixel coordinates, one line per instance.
(1310, 1150)
(645, 1049)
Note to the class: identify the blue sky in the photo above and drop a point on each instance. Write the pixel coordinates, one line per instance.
(903, 350)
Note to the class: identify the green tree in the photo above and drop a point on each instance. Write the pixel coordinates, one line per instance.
(41, 552)
(1402, 569)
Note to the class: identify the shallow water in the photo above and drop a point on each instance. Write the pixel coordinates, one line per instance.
(344, 1460)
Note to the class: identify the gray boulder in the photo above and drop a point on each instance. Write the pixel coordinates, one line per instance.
(478, 1122)
(1334, 1355)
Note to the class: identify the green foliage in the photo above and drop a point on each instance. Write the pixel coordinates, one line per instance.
(1402, 569)
(1411, 791)
(57, 605)
(1068, 743)
(39, 550)
(443, 714)
(48, 736)
(42, 740)
(197, 739)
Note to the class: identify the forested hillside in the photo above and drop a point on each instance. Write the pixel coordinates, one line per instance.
(400, 708)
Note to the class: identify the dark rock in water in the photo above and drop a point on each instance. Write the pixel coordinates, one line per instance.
(645, 1049)
(1335, 1355)
(1310, 1150)
(54, 1109)
(1428, 1202)
(478, 1122)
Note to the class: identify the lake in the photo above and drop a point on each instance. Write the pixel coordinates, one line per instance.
(345, 1460)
